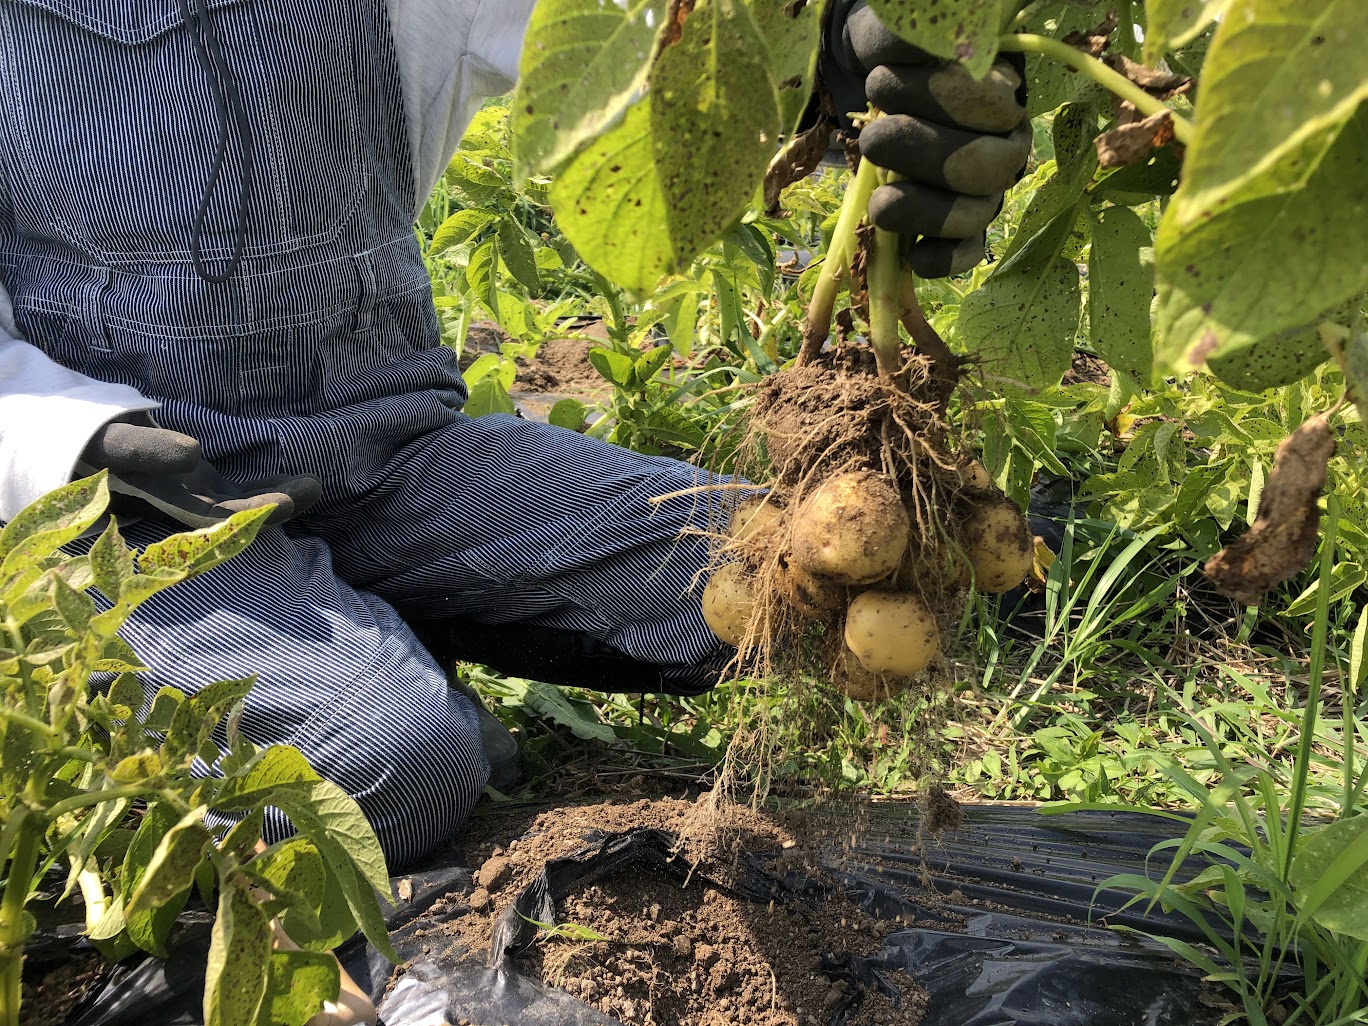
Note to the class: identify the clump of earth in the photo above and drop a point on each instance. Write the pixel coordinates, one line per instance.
(649, 950)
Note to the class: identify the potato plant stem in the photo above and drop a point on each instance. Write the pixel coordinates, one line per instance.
(837, 263)
(884, 282)
(15, 923)
(1100, 73)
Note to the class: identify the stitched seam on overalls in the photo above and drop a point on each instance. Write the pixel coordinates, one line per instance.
(313, 726)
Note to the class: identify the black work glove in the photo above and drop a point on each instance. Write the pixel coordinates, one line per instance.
(958, 143)
(161, 474)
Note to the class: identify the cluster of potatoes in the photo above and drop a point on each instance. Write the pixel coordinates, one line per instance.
(846, 555)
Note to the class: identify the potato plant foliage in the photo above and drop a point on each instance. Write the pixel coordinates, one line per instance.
(98, 794)
(656, 120)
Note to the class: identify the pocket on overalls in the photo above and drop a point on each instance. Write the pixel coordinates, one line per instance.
(110, 131)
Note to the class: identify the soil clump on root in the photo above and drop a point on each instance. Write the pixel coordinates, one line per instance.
(838, 449)
(672, 955)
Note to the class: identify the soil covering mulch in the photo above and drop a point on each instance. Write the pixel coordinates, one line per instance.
(649, 950)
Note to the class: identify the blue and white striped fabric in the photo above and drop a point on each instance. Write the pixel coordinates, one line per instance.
(320, 355)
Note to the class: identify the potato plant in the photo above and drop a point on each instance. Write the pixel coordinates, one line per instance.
(96, 782)
(656, 122)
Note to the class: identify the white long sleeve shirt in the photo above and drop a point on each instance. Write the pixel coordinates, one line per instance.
(452, 54)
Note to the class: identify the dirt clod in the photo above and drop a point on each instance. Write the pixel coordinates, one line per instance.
(695, 954)
(1283, 538)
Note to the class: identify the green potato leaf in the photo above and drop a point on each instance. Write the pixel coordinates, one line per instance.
(171, 869)
(1020, 324)
(963, 30)
(583, 64)
(1120, 290)
(239, 965)
(198, 551)
(331, 819)
(301, 981)
(644, 198)
(791, 33)
(1173, 23)
(1330, 876)
(1264, 234)
(45, 525)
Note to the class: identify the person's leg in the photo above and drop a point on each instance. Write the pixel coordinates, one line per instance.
(340, 676)
(542, 553)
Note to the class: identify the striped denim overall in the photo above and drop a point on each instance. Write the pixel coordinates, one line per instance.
(318, 353)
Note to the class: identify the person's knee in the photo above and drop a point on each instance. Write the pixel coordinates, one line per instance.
(416, 770)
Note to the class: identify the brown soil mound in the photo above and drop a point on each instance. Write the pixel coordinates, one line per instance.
(678, 955)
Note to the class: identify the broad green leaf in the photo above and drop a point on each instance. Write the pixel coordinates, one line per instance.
(459, 228)
(48, 523)
(714, 123)
(295, 866)
(204, 549)
(475, 177)
(1264, 233)
(482, 274)
(488, 395)
(239, 963)
(1049, 82)
(649, 364)
(1283, 79)
(75, 608)
(964, 30)
(568, 414)
(111, 563)
(272, 768)
(1020, 324)
(791, 32)
(549, 702)
(609, 204)
(1278, 361)
(164, 705)
(643, 199)
(171, 870)
(1075, 161)
(583, 62)
(329, 817)
(516, 250)
(326, 927)
(134, 769)
(1120, 290)
(221, 693)
(616, 367)
(301, 981)
(126, 692)
(1330, 876)
(1173, 23)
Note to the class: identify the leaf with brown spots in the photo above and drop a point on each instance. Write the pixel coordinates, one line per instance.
(1283, 538)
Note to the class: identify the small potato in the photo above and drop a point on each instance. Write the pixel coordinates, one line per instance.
(813, 597)
(853, 529)
(976, 478)
(891, 632)
(755, 516)
(1000, 546)
(729, 603)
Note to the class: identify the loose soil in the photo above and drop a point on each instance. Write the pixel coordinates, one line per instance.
(49, 993)
(560, 370)
(696, 954)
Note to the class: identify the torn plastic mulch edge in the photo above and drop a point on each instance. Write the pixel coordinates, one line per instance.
(1022, 941)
